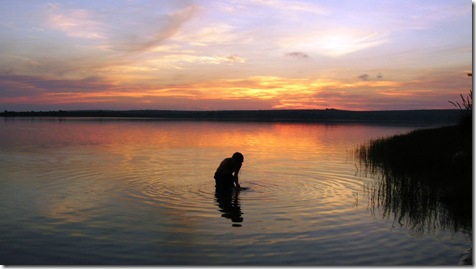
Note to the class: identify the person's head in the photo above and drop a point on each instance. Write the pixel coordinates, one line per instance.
(238, 157)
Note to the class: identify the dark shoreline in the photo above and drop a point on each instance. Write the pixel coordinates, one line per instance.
(437, 116)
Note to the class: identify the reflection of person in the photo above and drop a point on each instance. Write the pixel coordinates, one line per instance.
(229, 205)
(226, 175)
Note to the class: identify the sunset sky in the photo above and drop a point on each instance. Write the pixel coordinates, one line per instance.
(234, 54)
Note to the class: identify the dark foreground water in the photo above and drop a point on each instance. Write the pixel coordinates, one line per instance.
(141, 192)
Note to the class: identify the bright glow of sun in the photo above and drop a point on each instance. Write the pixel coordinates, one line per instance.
(345, 43)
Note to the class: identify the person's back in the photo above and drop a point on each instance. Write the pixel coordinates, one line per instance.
(226, 174)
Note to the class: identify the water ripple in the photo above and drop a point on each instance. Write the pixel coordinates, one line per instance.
(145, 195)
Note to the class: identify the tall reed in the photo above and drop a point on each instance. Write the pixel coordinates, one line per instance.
(420, 184)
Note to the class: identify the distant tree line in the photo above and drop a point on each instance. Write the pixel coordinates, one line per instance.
(449, 116)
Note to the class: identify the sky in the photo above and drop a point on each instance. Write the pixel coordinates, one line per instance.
(234, 54)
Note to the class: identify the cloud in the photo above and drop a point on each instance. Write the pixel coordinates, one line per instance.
(364, 77)
(235, 59)
(332, 43)
(178, 60)
(78, 23)
(220, 59)
(258, 92)
(24, 85)
(128, 30)
(292, 6)
(205, 35)
(367, 77)
(297, 54)
(147, 35)
(75, 41)
(285, 8)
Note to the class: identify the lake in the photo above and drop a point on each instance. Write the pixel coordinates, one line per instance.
(96, 191)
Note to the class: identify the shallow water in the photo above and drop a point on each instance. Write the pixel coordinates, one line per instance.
(118, 192)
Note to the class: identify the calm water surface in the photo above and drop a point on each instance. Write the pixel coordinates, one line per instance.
(141, 192)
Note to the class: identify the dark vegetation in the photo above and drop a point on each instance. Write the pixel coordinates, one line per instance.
(327, 115)
(422, 171)
(425, 176)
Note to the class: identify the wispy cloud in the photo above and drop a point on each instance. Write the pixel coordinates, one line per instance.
(290, 7)
(128, 34)
(297, 54)
(36, 84)
(216, 34)
(144, 37)
(78, 41)
(78, 23)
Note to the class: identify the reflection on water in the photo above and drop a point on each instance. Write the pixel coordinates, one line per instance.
(424, 199)
(81, 192)
(228, 201)
(414, 205)
(421, 184)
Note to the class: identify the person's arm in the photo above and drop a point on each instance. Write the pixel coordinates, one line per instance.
(235, 177)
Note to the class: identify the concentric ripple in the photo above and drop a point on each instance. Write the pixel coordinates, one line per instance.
(143, 193)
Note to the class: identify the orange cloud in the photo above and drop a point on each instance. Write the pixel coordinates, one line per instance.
(256, 92)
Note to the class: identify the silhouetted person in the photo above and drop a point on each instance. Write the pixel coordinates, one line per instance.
(226, 176)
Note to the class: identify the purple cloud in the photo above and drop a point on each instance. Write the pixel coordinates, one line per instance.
(297, 54)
